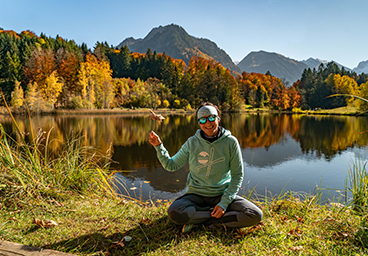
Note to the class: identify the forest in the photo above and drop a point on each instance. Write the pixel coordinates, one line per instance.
(45, 73)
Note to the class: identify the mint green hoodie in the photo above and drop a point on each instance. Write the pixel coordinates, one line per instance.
(215, 168)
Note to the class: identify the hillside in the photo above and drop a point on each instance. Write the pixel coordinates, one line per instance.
(178, 44)
(279, 65)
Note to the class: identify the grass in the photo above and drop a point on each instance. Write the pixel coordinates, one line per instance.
(28, 168)
(96, 225)
(74, 191)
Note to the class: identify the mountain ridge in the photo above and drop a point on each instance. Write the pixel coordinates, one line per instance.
(178, 44)
(279, 65)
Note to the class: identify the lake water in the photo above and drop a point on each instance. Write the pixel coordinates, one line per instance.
(281, 152)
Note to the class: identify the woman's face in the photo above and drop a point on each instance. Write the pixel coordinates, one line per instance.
(210, 128)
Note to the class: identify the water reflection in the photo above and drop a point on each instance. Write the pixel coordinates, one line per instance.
(275, 147)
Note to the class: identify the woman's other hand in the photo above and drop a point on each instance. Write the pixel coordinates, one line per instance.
(154, 139)
(217, 212)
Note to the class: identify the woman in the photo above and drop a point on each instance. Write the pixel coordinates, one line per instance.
(215, 176)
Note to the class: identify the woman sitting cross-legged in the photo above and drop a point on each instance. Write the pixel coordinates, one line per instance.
(215, 176)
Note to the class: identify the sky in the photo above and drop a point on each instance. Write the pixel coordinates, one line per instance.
(298, 29)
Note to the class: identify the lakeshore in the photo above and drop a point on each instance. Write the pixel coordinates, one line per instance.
(350, 111)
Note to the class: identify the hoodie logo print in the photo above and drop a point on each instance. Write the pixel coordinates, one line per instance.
(207, 161)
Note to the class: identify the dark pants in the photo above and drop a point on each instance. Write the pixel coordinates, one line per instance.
(196, 209)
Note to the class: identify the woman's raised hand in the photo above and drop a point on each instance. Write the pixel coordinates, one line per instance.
(154, 139)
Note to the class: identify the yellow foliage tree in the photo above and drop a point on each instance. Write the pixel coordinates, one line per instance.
(165, 104)
(34, 99)
(17, 96)
(342, 85)
(86, 82)
(52, 88)
(363, 92)
(96, 81)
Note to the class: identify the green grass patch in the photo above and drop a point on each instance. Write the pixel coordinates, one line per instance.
(97, 225)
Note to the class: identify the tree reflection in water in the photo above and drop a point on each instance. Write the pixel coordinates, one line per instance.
(267, 140)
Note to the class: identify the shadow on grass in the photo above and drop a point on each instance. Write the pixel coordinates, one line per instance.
(146, 237)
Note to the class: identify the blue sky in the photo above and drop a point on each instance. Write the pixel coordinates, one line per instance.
(298, 29)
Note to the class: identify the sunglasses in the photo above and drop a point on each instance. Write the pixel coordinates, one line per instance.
(203, 120)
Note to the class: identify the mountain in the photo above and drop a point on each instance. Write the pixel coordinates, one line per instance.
(314, 63)
(362, 67)
(178, 44)
(279, 65)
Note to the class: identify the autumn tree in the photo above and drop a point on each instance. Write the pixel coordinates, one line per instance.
(207, 80)
(51, 88)
(34, 100)
(315, 85)
(17, 96)
(39, 66)
(67, 67)
(363, 92)
(260, 90)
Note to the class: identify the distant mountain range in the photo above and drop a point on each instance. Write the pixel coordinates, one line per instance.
(362, 67)
(278, 65)
(177, 43)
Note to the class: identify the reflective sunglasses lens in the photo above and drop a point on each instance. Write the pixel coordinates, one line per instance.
(202, 120)
(211, 118)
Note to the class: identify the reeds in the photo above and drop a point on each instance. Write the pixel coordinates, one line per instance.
(358, 181)
(29, 168)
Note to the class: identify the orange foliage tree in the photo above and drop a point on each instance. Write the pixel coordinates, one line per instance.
(265, 90)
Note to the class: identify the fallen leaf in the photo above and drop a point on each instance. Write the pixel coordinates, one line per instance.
(256, 227)
(300, 220)
(341, 234)
(44, 223)
(157, 117)
(104, 228)
(103, 219)
(241, 232)
(145, 220)
(344, 234)
(56, 203)
(118, 243)
(123, 202)
(296, 248)
(252, 229)
(284, 218)
(329, 220)
(296, 232)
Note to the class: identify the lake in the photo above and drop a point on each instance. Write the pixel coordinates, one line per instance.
(281, 152)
